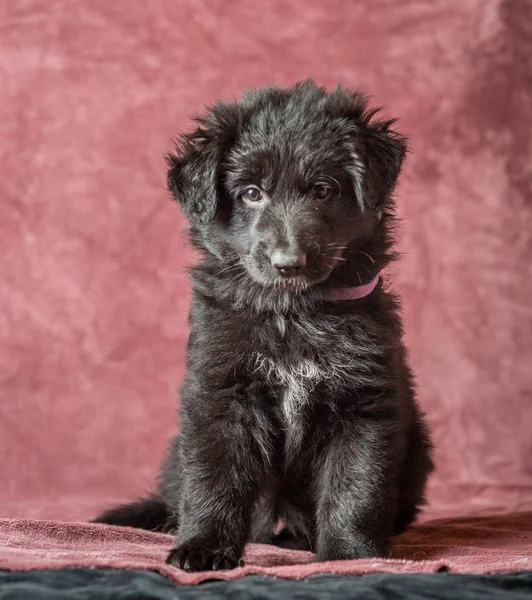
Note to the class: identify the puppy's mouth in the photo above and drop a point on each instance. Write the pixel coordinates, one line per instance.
(296, 285)
(318, 271)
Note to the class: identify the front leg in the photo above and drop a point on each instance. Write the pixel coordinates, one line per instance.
(225, 442)
(355, 491)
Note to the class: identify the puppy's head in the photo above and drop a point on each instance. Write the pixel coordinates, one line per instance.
(285, 183)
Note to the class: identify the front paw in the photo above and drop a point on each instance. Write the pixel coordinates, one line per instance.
(349, 548)
(199, 555)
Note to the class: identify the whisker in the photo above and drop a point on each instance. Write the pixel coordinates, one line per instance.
(318, 246)
(239, 276)
(333, 257)
(362, 251)
(336, 247)
(229, 268)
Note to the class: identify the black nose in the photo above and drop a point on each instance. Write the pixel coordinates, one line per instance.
(288, 264)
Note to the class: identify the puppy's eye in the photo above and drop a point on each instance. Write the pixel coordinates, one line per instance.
(253, 194)
(321, 191)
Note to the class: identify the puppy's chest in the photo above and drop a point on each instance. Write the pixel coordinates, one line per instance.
(303, 355)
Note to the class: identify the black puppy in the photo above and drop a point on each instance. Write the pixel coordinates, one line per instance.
(298, 406)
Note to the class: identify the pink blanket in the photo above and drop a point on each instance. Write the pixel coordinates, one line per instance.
(495, 544)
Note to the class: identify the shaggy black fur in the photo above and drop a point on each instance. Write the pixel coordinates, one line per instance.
(295, 409)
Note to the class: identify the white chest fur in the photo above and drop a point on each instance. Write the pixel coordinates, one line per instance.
(327, 352)
(297, 381)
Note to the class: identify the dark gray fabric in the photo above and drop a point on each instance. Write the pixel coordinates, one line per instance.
(104, 584)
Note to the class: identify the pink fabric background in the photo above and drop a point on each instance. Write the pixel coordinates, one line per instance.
(93, 293)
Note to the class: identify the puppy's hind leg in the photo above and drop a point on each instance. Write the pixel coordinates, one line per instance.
(299, 524)
(416, 469)
(264, 518)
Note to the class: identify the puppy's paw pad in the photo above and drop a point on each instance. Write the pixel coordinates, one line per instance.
(200, 556)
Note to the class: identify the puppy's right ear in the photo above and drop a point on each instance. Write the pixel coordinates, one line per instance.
(193, 169)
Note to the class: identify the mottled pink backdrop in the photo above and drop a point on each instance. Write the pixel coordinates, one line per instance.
(93, 292)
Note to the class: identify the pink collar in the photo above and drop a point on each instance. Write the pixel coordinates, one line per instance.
(352, 293)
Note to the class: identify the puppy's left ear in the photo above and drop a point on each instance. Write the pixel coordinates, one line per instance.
(383, 151)
(193, 170)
